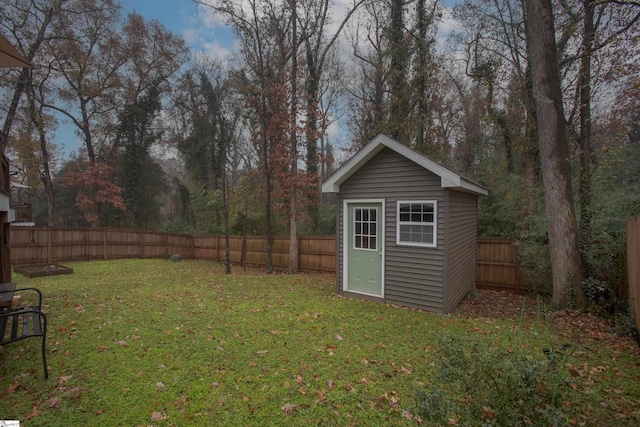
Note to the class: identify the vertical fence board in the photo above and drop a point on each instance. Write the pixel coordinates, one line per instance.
(633, 267)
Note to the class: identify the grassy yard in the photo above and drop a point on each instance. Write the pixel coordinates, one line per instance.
(153, 342)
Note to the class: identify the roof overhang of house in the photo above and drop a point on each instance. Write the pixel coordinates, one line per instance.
(10, 57)
(448, 178)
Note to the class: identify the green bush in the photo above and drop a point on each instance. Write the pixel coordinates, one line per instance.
(493, 384)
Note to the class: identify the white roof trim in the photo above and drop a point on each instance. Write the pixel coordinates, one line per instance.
(448, 178)
(18, 185)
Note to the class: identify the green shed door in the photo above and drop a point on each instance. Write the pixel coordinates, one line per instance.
(364, 244)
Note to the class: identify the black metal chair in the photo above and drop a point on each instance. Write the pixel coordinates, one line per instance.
(25, 322)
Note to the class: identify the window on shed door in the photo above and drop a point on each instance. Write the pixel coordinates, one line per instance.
(365, 228)
(417, 223)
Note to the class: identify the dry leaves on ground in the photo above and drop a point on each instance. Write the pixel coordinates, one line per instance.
(507, 305)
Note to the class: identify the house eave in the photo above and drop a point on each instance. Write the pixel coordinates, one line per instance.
(465, 186)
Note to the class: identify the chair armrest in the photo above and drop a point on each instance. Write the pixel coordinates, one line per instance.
(22, 310)
(27, 289)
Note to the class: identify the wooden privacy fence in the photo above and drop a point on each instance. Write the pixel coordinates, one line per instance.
(633, 268)
(39, 245)
(498, 267)
(497, 258)
(317, 253)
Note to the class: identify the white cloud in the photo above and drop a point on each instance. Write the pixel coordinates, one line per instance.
(213, 50)
(333, 129)
(448, 22)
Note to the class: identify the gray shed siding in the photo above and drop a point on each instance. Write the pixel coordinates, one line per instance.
(461, 247)
(413, 276)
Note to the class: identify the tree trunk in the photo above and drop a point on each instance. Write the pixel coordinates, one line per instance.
(566, 262)
(225, 204)
(585, 133)
(312, 137)
(37, 120)
(398, 109)
(268, 191)
(293, 200)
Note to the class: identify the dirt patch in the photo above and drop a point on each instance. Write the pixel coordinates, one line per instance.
(42, 270)
(574, 324)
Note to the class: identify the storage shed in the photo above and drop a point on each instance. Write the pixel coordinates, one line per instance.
(406, 228)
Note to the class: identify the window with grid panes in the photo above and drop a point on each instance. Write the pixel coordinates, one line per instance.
(365, 228)
(416, 223)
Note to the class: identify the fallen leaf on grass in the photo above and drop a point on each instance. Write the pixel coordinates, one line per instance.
(34, 413)
(123, 343)
(339, 338)
(299, 379)
(52, 402)
(11, 388)
(487, 412)
(160, 385)
(406, 414)
(479, 330)
(289, 408)
(64, 379)
(158, 416)
(262, 352)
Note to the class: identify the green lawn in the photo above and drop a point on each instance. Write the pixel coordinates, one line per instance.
(153, 342)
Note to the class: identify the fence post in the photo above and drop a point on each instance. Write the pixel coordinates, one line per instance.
(517, 267)
(104, 243)
(633, 268)
(49, 245)
(166, 245)
(243, 251)
(299, 237)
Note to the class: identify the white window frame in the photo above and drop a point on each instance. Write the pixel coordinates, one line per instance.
(433, 224)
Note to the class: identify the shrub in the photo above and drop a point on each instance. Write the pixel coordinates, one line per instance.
(486, 383)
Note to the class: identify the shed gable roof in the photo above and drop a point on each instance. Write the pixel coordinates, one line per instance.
(448, 178)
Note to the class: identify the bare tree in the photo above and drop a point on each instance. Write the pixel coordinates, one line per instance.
(29, 23)
(89, 56)
(366, 83)
(314, 22)
(261, 28)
